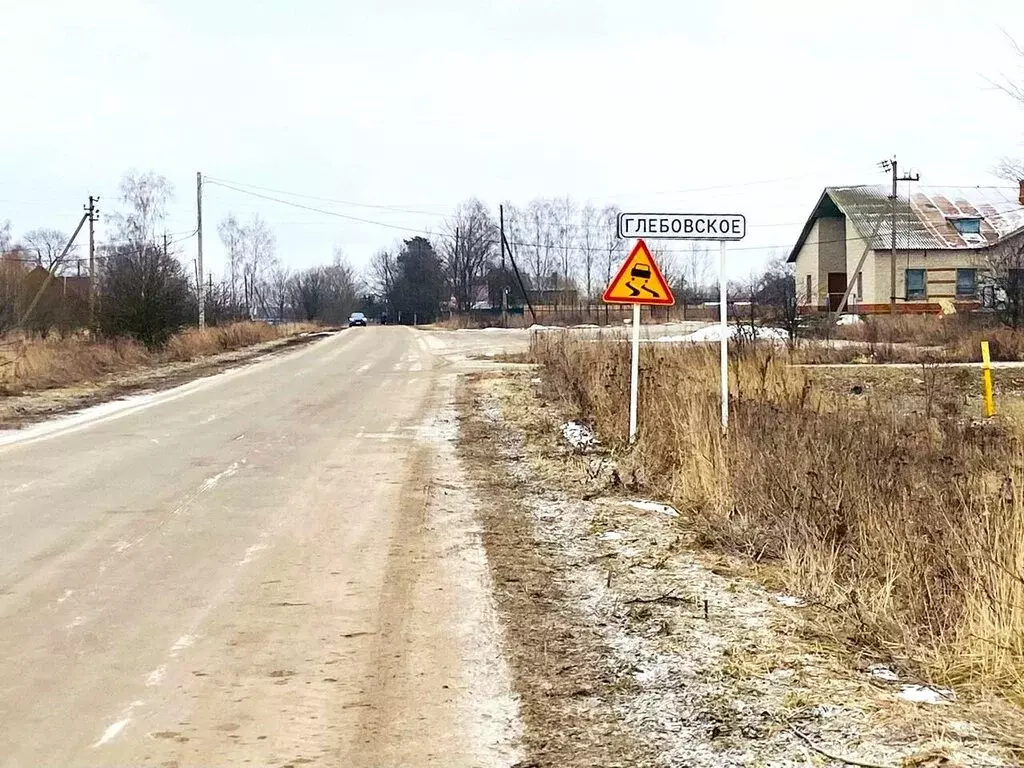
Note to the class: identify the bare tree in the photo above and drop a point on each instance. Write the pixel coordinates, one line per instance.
(1003, 286)
(383, 275)
(774, 293)
(467, 255)
(258, 259)
(667, 263)
(5, 236)
(341, 289)
(612, 246)
(564, 209)
(1012, 168)
(591, 242)
(47, 246)
(230, 232)
(308, 290)
(279, 290)
(145, 197)
(539, 240)
(694, 273)
(144, 294)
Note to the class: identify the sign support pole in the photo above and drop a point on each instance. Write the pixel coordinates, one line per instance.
(634, 376)
(723, 310)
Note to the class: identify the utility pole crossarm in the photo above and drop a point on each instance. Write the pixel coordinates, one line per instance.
(893, 166)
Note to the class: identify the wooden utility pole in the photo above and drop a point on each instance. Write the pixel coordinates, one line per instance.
(87, 216)
(93, 214)
(519, 278)
(199, 265)
(459, 273)
(504, 286)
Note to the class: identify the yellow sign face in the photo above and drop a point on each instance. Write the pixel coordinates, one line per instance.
(639, 281)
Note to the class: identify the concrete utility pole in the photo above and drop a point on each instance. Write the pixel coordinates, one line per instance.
(93, 215)
(891, 165)
(199, 265)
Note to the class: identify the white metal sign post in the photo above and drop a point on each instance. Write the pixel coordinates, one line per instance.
(723, 324)
(638, 281)
(634, 374)
(722, 227)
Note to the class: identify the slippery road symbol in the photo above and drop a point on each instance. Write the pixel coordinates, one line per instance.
(639, 281)
(641, 272)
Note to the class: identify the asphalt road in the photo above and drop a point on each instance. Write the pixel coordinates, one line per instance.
(278, 565)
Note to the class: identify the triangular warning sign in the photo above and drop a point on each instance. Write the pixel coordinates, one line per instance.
(639, 281)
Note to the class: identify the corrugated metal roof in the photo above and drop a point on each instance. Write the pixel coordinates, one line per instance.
(924, 220)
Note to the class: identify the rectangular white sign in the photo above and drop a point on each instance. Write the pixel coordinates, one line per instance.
(682, 226)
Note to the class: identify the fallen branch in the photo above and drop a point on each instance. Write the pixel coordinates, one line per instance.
(667, 597)
(838, 758)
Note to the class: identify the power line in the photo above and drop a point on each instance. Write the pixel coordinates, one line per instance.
(397, 209)
(317, 210)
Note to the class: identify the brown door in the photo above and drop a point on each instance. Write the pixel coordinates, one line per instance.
(836, 289)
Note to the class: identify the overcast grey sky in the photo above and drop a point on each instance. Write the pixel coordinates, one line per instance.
(421, 104)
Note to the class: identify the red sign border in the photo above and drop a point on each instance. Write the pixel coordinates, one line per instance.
(640, 246)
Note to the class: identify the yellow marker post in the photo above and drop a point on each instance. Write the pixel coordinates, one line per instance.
(986, 380)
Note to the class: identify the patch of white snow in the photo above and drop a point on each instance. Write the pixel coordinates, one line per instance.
(653, 506)
(578, 435)
(926, 694)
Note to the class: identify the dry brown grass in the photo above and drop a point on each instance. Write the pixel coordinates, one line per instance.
(910, 529)
(920, 338)
(35, 363)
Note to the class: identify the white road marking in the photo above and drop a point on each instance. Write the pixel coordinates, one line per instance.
(122, 545)
(156, 676)
(183, 642)
(211, 482)
(251, 552)
(112, 731)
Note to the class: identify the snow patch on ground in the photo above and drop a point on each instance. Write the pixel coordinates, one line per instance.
(579, 436)
(714, 333)
(653, 506)
(882, 672)
(926, 694)
(790, 601)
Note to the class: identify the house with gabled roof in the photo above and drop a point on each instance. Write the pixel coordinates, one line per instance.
(945, 242)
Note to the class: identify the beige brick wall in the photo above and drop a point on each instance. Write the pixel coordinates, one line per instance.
(807, 265)
(940, 276)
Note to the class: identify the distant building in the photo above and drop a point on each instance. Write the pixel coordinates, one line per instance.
(945, 242)
(63, 303)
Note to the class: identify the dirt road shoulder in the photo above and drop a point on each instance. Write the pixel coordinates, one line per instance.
(18, 411)
(629, 646)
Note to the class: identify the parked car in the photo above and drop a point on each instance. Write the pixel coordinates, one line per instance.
(357, 318)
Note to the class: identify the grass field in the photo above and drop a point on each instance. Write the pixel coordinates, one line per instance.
(884, 500)
(30, 363)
